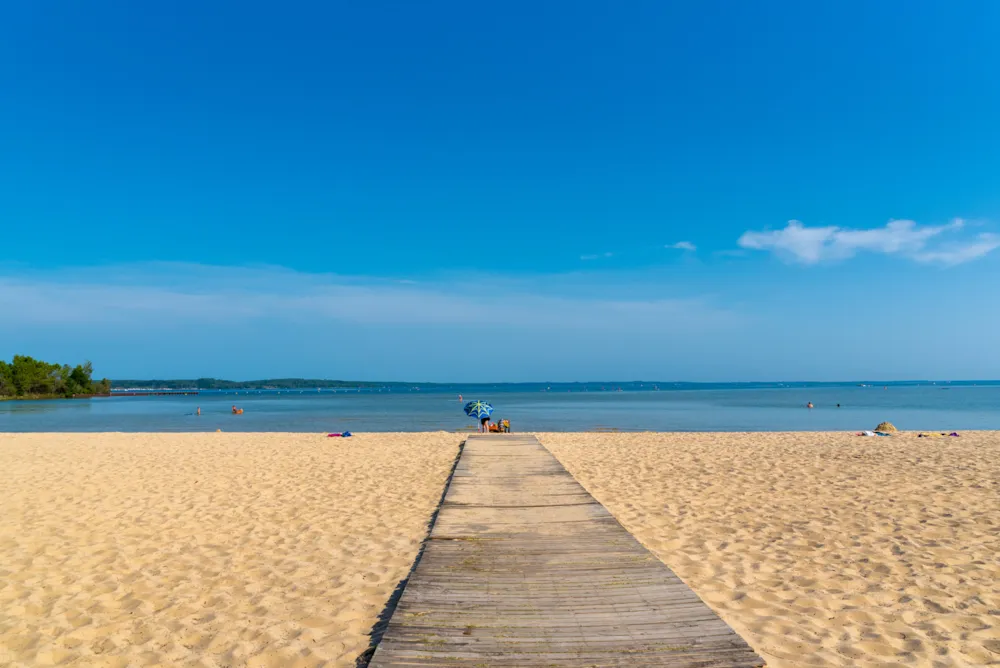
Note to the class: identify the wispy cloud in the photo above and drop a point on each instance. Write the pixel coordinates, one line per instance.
(596, 256)
(957, 254)
(810, 245)
(141, 295)
(682, 245)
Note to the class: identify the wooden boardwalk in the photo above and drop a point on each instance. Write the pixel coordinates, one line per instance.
(523, 567)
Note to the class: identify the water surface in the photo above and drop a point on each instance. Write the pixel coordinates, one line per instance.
(928, 407)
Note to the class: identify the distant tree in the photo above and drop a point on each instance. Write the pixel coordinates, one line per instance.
(32, 376)
(81, 374)
(6, 380)
(26, 376)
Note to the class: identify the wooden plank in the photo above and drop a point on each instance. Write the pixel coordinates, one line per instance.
(523, 567)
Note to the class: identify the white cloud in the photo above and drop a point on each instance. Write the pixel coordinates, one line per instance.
(898, 236)
(596, 256)
(810, 245)
(683, 245)
(803, 243)
(984, 244)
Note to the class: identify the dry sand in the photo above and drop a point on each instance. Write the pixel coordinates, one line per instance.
(207, 549)
(282, 549)
(819, 549)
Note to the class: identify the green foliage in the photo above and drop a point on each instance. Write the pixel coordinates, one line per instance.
(6, 379)
(25, 376)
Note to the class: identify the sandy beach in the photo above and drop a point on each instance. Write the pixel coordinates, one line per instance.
(819, 549)
(207, 549)
(282, 549)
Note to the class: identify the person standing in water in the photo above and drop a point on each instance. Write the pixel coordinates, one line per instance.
(198, 412)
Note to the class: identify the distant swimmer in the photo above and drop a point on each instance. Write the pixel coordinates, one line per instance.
(237, 411)
(809, 405)
(460, 397)
(199, 411)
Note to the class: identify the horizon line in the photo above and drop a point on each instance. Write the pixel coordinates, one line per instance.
(564, 382)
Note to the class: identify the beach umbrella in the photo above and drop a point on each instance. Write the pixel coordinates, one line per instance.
(478, 409)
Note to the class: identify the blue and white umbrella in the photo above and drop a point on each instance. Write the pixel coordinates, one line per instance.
(478, 409)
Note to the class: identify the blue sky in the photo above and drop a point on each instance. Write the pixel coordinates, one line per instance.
(517, 191)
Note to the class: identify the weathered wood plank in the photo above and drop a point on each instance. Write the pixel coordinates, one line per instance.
(525, 568)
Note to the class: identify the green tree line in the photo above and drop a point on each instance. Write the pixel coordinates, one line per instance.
(27, 377)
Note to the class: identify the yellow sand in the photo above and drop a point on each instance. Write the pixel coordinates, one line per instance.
(819, 549)
(282, 549)
(207, 549)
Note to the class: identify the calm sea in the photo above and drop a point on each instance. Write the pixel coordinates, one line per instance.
(720, 408)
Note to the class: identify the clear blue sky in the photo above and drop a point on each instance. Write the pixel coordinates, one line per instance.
(503, 191)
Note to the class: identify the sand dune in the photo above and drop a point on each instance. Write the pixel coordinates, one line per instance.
(207, 549)
(820, 549)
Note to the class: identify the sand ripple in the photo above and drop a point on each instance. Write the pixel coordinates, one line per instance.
(207, 549)
(820, 549)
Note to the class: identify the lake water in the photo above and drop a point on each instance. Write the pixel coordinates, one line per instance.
(929, 407)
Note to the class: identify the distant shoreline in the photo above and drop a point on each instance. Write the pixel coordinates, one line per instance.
(280, 384)
(46, 397)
